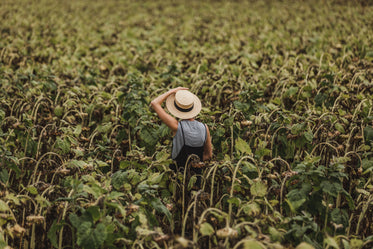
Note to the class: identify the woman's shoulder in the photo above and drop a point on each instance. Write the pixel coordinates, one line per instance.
(185, 121)
(193, 124)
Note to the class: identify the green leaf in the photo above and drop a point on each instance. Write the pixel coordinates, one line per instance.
(160, 207)
(52, 233)
(258, 189)
(74, 219)
(104, 128)
(368, 134)
(331, 188)
(346, 244)
(291, 91)
(95, 212)
(77, 164)
(32, 190)
(206, 229)
(294, 205)
(84, 232)
(58, 111)
(100, 234)
(91, 238)
(339, 216)
(115, 195)
(308, 136)
(4, 175)
(331, 242)
(12, 197)
(162, 156)
(296, 129)
(3, 206)
(367, 165)
(63, 145)
(242, 146)
(339, 128)
(297, 197)
(275, 234)
(192, 181)
(77, 130)
(119, 178)
(101, 163)
(252, 244)
(234, 200)
(94, 190)
(155, 178)
(42, 201)
(2, 115)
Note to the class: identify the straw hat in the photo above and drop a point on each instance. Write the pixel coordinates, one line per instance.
(183, 104)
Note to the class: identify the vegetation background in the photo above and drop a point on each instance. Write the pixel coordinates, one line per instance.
(287, 93)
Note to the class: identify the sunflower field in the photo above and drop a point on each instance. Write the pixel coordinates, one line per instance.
(287, 92)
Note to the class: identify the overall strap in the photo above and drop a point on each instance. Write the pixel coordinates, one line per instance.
(205, 134)
(182, 132)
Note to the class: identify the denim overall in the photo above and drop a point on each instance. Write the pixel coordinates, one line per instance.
(186, 151)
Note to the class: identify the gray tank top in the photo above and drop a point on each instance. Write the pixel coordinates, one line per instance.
(194, 133)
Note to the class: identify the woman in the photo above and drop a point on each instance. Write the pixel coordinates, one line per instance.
(190, 136)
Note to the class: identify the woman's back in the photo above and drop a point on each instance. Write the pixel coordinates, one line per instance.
(189, 133)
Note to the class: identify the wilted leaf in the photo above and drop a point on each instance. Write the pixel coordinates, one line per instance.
(304, 245)
(356, 243)
(77, 164)
(17, 230)
(242, 146)
(251, 209)
(183, 242)
(38, 219)
(227, 232)
(206, 229)
(258, 189)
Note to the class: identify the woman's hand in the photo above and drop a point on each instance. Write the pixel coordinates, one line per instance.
(156, 104)
(177, 89)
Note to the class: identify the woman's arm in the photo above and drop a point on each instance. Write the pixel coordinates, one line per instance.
(156, 104)
(207, 151)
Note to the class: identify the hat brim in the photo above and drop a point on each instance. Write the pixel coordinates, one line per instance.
(170, 104)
